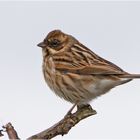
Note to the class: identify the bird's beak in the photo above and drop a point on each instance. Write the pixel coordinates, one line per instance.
(41, 44)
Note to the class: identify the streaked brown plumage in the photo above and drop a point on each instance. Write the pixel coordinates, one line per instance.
(74, 72)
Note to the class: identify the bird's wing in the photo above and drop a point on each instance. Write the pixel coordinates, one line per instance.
(86, 70)
(81, 60)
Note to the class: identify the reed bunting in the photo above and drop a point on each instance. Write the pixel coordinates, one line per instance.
(75, 73)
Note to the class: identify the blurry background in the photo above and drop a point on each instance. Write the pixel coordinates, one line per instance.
(111, 29)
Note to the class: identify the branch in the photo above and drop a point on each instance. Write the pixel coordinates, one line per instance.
(63, 126)
(60, 128)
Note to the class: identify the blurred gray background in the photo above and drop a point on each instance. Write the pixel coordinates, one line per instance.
(111, 29)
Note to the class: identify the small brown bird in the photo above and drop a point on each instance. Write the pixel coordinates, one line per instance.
(75, 73)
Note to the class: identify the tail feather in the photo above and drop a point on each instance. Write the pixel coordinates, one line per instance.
(133, 76)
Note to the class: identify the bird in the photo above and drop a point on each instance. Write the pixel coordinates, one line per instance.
(77, 74)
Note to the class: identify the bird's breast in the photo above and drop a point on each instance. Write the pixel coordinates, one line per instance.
(51, 66)
(49, 72)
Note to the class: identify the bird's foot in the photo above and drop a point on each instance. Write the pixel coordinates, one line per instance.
(81, 108)
(85, 106)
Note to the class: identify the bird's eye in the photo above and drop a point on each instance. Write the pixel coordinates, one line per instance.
(54, 42)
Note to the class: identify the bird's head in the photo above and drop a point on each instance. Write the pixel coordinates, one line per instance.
(56, 41)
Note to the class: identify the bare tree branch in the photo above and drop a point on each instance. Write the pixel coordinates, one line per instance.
(63, 126)
(60, 128)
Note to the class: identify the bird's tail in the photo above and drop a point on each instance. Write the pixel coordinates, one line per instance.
(132, 76)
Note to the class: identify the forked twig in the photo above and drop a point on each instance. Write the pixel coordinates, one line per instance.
(60, 128)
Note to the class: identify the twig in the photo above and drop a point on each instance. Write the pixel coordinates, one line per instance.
(63, 126)
(11, 132)
(1, 133)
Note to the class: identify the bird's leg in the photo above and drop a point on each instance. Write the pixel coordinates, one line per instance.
(69, 112)
(71, 109)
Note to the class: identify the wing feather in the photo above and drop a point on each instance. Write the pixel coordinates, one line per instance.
(87, 70)
(81, 60)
